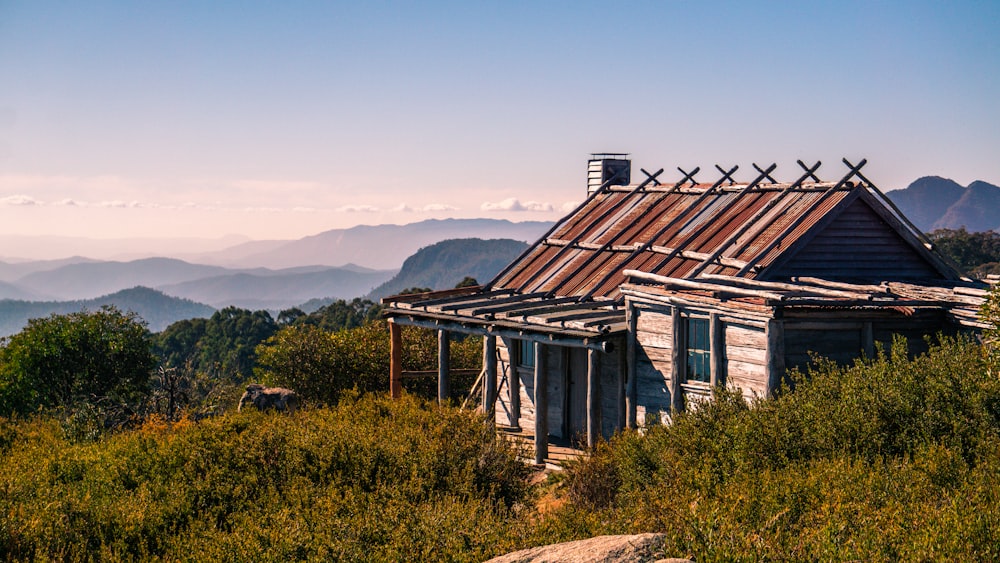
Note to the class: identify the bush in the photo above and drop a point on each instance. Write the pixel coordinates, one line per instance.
(69, 360)
(370, 480)
(889, 459)
(320, 365)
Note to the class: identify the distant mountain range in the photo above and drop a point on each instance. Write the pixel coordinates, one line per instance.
(257, 288)
(158, 310)
(933, 203)
(443, 265)
(179, 284)
(380, 247)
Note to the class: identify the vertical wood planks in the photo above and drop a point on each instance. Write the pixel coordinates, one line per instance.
(541, 406)
(490, 385)
(631, 385)
(593, 397)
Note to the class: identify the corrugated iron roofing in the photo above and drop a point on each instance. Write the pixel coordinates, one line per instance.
(670, 232)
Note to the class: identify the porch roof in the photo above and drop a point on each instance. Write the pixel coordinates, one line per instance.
(505, 312)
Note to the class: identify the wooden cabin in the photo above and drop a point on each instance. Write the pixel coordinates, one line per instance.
(645, 296)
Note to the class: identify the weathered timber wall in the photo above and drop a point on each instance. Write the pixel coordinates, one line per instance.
(858, 245)
(744, 362)
(558, 389)
(654, 371)
(845, 339)
(745, 349)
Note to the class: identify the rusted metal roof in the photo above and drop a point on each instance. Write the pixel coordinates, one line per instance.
(682, 231)
(960, 301)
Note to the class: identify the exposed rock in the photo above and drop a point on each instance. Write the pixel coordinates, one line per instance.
(602, 549)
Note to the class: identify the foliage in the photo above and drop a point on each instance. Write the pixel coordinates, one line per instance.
(222, 345)
(320, 365)
(69, 360)
(990, 313)
(370, 480)
(337, 315)
(976, 253)
(889, 459)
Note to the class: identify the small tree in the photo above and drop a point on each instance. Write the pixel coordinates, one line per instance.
(67, 360)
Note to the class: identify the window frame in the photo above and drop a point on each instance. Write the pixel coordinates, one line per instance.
(524, 351)
(697, 350)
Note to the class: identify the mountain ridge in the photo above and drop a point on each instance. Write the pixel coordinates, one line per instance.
(444, 264)
(156, 308)
(933, 202)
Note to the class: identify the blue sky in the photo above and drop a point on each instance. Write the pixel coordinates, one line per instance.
(284, 119)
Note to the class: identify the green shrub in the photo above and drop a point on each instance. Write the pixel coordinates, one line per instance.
(368, 480)
(889, 459)
(321, 365)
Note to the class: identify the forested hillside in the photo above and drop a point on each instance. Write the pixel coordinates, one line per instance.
(977, 254)
(445, 264)
(157, 309)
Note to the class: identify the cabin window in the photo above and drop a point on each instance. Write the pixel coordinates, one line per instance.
(698, 351)
(525, 354)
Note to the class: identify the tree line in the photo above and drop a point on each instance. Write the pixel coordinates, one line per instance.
(102, 369)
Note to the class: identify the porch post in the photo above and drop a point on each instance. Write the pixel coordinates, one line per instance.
(395, 361)
(490, 384)
(514, 386)
(631, 385)
(541, 406)
(593, 397)
(444, 359)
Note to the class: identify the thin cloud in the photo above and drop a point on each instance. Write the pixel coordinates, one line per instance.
(118, 204)
(569, 206)
(19, 200)
(514, 204)
(439, 207)
(358, 209)
(402, 208)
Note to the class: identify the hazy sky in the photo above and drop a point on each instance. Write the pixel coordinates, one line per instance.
(284, 119)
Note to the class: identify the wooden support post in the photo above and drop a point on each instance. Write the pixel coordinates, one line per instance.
(541, 406)
(444, 361)
(677, 363)
(514, 386)
(593, 397)
(490, 385)
(775, 332)
(868, 339)
(395, 361)
(717, 347)
(631, 385)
